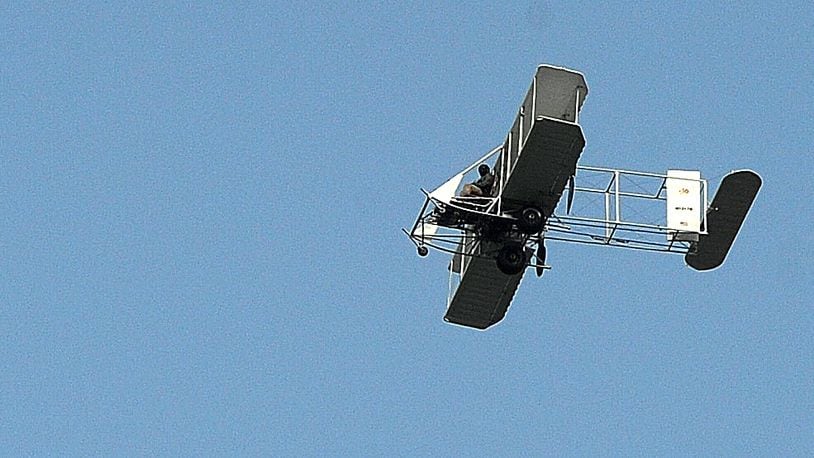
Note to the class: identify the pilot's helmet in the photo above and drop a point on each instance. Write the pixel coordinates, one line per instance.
(483, 169)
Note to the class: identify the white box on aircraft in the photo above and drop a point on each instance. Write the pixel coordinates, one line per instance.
(683, 204)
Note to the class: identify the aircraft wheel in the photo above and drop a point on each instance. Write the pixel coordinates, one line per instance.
(531, 220)
(423, 251)
(511, 259)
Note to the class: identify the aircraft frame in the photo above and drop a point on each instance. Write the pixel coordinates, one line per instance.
(494, 238)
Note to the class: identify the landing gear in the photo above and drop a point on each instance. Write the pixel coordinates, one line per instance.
(511, 259)
(531, 220)
(423, 251)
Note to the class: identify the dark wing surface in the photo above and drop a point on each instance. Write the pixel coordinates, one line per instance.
(545, 165)
(725, 217)
(484, 294)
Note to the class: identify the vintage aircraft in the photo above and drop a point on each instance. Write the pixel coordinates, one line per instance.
(494, 237)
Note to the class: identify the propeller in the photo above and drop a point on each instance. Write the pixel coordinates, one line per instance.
(570, 195)
(540, 256)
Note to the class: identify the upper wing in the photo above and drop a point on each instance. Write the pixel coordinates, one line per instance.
(543, 146)
(545, 164)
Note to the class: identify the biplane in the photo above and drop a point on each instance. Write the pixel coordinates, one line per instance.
(494, 237)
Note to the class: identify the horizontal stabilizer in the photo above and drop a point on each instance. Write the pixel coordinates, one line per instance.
(724, 219)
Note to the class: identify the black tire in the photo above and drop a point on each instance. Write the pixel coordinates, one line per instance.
(531, 220)
(423, 251)
(511, 259)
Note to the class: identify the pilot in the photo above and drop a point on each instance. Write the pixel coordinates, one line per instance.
(483, 185)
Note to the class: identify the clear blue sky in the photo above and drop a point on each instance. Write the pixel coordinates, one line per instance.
(201, 250)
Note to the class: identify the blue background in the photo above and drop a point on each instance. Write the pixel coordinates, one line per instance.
(201, 249)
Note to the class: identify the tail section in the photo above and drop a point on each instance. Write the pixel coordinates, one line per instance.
(725, 217)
